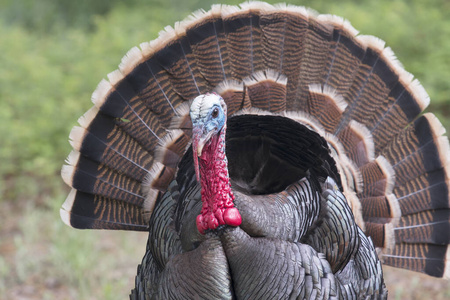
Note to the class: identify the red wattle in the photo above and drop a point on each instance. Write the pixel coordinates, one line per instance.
(217, 196)
(232, 217)
(212, 222)
(200, 226)
(219, 215)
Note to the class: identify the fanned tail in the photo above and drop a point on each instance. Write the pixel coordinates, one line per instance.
(270, 60)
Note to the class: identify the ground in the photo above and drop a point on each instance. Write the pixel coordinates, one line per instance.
(41, 258)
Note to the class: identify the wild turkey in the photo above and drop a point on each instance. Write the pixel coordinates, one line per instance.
(325, 144)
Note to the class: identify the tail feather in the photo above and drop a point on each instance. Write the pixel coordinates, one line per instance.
(233, 94)
(243, 42)
(207, 39)
(408, 150)
(346, 53)
(408, 100)
(172, 148)
(132, 161)
(314, 58)
(90, 177)
(267, 91)
(88, 211)
(374, 78)
(326, 105)
(179, 62)
(425, 258)
(294, 42)
(117, 114)
(273, 25)
(381, 234)
(426, 192)
(378, 178)
(155, 93)
(358, 143)
(380, 209)
(432, 227)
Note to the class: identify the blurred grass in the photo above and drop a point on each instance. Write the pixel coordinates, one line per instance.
(54, 53)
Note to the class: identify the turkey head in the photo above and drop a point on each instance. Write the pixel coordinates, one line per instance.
(208, 115)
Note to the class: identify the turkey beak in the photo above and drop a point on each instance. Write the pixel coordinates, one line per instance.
(199, 140)
(202, 142)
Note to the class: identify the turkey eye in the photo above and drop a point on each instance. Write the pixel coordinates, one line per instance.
(215, 112)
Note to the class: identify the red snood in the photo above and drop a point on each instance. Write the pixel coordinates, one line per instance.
(217, 197)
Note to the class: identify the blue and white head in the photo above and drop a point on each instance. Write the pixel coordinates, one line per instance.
(208, 115)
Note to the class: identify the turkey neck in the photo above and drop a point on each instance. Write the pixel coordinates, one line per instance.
(217, 196)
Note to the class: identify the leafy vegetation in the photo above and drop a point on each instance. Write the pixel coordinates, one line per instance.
(53, 55)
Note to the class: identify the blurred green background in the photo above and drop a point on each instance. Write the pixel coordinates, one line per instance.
(52, 56)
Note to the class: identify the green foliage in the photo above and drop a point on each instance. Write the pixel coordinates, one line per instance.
(54, 53)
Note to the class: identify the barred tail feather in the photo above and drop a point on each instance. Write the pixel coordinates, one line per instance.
(266, 60)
